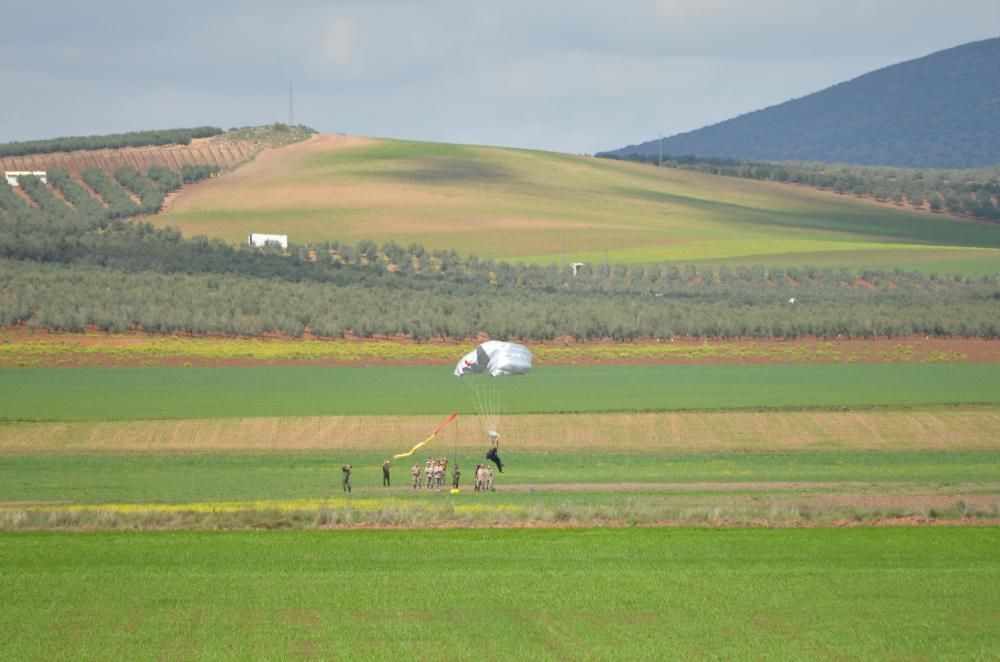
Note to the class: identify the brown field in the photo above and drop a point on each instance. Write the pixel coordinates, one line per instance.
(965, 428)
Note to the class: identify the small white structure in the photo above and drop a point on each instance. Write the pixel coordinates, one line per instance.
(576, 266)
(260, 240)
(12, 175)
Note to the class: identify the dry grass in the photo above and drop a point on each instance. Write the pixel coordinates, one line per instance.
(966, 428)
(774, 511)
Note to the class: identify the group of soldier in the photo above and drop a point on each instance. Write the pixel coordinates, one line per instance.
(431, 475)
(484, 478)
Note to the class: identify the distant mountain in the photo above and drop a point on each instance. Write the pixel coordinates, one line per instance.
(938, 111)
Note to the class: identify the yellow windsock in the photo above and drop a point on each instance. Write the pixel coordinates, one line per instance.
(434, 434)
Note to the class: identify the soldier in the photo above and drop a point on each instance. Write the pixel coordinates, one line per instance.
(479, 477)
(455, 475)
(385, 473)
(438, 475)
(415, 472)
(429, 472)
(489, 479)
(347, 477)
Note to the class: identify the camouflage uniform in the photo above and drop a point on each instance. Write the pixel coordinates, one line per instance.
(429, 472)
(347, 477)
(385, 473)
(415, 472)
(455, 475)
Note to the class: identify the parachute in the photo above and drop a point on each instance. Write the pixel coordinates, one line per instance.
(481, 368)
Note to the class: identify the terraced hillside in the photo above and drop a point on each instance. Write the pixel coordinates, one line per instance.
(545, 207)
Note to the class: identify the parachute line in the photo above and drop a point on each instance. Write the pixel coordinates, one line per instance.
(480, 367)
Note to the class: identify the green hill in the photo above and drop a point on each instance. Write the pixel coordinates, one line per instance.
(938, 111)
(544, 207)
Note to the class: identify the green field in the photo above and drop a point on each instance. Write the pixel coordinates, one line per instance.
(900, 593)
(152, 393)
(178, 479)
(546, 207)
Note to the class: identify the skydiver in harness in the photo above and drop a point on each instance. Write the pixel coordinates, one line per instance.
(491, 454)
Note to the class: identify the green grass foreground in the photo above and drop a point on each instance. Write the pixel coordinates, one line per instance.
(152, 393)
(910, 593)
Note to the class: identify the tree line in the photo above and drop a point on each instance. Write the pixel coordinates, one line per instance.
(77, 297)
(110, 141)
(74, 272)
(973, 192)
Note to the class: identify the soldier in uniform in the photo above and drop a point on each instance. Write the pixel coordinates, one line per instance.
(385, 473)
(455, 475)
(489, 479)
(415, 472)
(438, 475)
(443, 462)
(347, 477)
(479, 477)
(429, 472)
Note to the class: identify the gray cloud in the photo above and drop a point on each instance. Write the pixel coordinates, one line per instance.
(570, 76)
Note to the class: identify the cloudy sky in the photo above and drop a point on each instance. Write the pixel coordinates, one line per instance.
(573, 76)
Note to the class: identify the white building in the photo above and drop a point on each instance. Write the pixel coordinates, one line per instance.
(12, 175)
(261, 240)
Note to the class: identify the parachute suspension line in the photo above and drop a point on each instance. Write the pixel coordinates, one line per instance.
(486, 398)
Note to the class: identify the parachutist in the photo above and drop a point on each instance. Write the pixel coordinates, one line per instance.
(491, 455)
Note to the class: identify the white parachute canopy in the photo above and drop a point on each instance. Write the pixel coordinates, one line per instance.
(497, 358)
(480, 368)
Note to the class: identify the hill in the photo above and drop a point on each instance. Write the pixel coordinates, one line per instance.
(544, 207)
(938, 111)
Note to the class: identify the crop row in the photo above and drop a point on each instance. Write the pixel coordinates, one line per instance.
(125, 349)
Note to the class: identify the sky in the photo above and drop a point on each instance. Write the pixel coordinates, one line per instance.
(570, 76)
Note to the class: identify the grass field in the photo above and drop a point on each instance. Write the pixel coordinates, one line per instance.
(546, 207)
(155, 393)
(542, 594)
(646, 511)
(273, 477)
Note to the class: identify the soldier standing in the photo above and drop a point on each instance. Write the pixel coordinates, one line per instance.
(385, 473)
(347, 477)
(429, 471)
(455, 475)
(415, 472)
